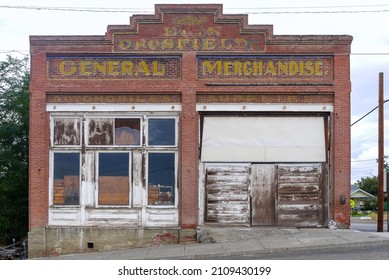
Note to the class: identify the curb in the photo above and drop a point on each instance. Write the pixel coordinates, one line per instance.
(277, 250)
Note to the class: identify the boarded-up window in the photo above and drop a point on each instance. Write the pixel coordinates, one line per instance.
(66, 131)
(263, 139)
(161, 178)
(127, 132)
(161, 132)
(113, 179)
(66, 190)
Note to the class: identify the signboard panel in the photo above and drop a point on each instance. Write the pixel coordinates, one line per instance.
(113, 67)
(280, 68)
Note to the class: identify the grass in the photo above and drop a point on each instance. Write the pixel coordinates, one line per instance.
(372, 214)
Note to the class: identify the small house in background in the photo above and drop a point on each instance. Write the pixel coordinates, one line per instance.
(360, 197)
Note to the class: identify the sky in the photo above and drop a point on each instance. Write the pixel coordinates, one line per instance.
(366, 21)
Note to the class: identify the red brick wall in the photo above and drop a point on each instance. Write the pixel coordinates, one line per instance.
(39, 144)
(189, 145)
(341, 146)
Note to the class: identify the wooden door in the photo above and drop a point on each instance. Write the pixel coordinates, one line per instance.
(300, 200)
(262, 194)
(227, 194)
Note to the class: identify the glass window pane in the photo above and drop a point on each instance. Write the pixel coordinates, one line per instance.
(127, 132)
(113, 178)
(66, 132)
(100, 132)
(66, 187)
(161, 178)
(162, 132)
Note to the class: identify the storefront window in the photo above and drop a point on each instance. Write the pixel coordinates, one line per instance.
(162, 132)
(113, 179)
(111, 142)
(161, 178)
(66, 190)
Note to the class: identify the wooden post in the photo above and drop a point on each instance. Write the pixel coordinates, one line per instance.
(386, 174)
(380, 219)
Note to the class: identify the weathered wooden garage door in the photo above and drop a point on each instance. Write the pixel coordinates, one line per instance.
(227, 194)
(299, 195)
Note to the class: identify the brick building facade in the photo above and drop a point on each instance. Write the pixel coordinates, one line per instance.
(183, 119)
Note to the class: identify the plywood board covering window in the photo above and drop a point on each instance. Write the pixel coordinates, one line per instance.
(66, 185)
(113, 179)
(263, 139)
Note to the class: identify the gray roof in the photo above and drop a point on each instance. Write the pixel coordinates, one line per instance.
(355, 189)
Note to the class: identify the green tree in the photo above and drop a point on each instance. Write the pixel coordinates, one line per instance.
(14, 113)
(386, 166)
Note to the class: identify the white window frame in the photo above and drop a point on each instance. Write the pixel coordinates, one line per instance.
(84, 118)
(148, 117)
(51, 179)
(52, 127)
(175, 179)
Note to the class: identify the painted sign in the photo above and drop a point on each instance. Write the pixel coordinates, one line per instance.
(182, 32)
(113, 98)
(107, 67)
(265, 67)
(264, 98)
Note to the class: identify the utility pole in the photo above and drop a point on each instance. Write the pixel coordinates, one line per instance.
(380, 218)
(386, 174)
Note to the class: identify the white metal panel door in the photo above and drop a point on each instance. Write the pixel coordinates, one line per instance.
(263, 139)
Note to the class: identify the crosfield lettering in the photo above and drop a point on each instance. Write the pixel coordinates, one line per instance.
(181, 39)
(181, 44)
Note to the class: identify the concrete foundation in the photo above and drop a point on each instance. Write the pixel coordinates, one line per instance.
(69, 240)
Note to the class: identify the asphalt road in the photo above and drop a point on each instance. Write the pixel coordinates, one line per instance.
(366, 226)
(370, 252)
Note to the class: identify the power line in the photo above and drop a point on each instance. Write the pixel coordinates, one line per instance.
(371, 111)
(361, 160)
(379, 53)
(76, 9)
(319, 12)
(361, 54)
(249, 10)
(311, 7)
(24, 52)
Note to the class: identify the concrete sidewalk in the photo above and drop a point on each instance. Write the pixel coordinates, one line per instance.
(224, 242)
